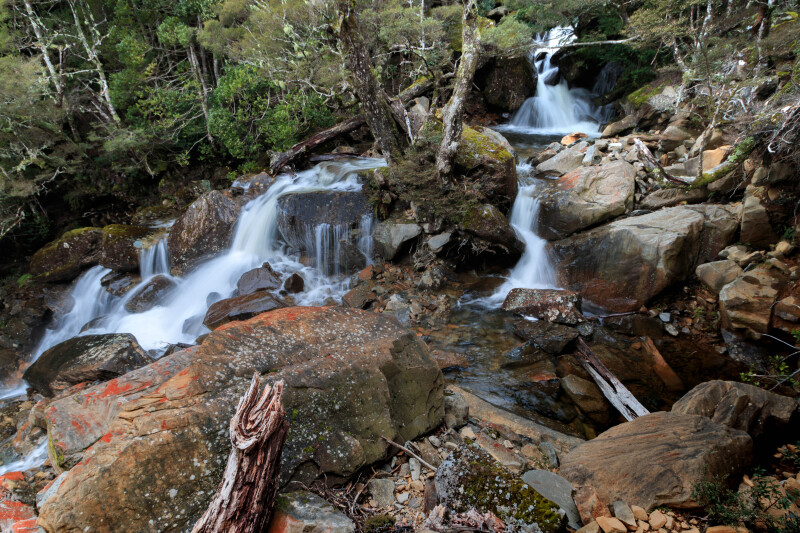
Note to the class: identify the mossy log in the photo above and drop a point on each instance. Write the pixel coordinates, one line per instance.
(741, 152)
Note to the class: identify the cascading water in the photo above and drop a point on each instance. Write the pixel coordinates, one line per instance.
(555, 109)
(179, 316)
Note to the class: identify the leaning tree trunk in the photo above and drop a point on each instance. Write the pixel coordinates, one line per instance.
(376, 106)
(454, 109)
(243, 502)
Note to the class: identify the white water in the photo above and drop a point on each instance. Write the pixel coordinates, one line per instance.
(32, 460)
(179, 316)
(555, 109)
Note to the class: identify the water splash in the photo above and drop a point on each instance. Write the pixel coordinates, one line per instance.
(33, 459)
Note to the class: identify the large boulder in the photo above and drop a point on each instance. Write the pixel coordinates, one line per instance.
(64, 258)
(240, 308)
(157, 437)
(327, 222)
(119, 249)
(621, 265)
(563, 162)
(586, 197)
(760, 413)
(507, 83)
(87, 358)
(486, 157)
(203, 230)
(656, 459)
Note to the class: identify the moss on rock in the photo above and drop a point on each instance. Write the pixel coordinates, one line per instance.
(63, 258)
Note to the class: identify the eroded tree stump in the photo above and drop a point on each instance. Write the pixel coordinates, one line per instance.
(243, 503)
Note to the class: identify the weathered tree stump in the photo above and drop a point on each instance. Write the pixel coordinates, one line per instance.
(243, 503)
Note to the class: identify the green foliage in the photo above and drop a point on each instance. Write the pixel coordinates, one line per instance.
(749, 507)
(22, 279)
(510, 38)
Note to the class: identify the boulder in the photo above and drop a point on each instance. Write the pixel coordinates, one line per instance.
(294, 283)
(485, 157)
(118, 248)
(554, 305)
(470, 477)
(390, 237)
(587, 396)
(564, 161)
(240, 308)
(119, 283)
(747, 302)
(261, 278)
(203, 230)
(64, 258)
(586, 197)
(671, 197)
(672, 137)
(786, 314)
(717, 274)
(621, 126)
(621, 265)
(151, 294)
(507, 83)
(656, 459)
(550, 337)
(326, 221)
(87, 358)
(760, 413)
(756, 227)
(157, 437)
(488, 223)
(305, 512)
(775, 173)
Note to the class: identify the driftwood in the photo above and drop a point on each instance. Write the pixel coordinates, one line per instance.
(244, 499)
(284, 158)
(619, 396)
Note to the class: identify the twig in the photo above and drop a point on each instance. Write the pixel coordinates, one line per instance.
(409, 452)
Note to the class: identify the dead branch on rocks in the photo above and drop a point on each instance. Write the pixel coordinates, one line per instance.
(412, 454)
(284, 158)
(613, 389)
(243, 503)
(652, 163)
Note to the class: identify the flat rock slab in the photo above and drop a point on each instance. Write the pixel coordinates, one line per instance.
(240, 308)
(556, 489)
(655, 459)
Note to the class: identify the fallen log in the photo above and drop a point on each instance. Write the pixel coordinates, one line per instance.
(652, 163)
(243, 502)
(613, 389)
(282, 159)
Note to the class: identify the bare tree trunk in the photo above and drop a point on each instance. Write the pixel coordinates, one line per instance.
(193, 61)
(243, 503)
(452, 114)
(373, 98)
(37, 26)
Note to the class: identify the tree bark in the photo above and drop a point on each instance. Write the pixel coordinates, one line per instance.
(243, 503)
(452, 114)
(374, 100)
(284, 158)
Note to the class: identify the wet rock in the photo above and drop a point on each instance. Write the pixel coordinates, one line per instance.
(240, 308)
(550, 337)
(554, 305)
(487, 222)
(64, 258)
(507, 83)
(151, 294)
(588, 397)
(261, 278)
(390, 238)
(303, 214)
(118, 248)
(294, 283)
(717, 274)
(527, 354)
(556, 489)
(563, 162)
(747, 302)
(119, 283)
(84, 359)
(159, 438)
(449, 359)
(360, 296)
(585, 197)
(299, 512)
(657, 458)
(760, 413)
(203, 230)
(621, 265)
(756, 227)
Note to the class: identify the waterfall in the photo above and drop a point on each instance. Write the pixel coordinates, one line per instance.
(555, 109)
(256, 239)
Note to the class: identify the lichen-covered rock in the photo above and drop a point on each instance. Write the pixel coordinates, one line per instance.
(488, 223)
(301, 512)
(64, 258)
(240, 308)
(554, 305)
(586, 197)
(87, 358)
(118, 250)
(657, 458)
(621, 265)
(486, 157)
(507, 83)
(148, 449)
(203, 230)
(470, 477)
(760, 413)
